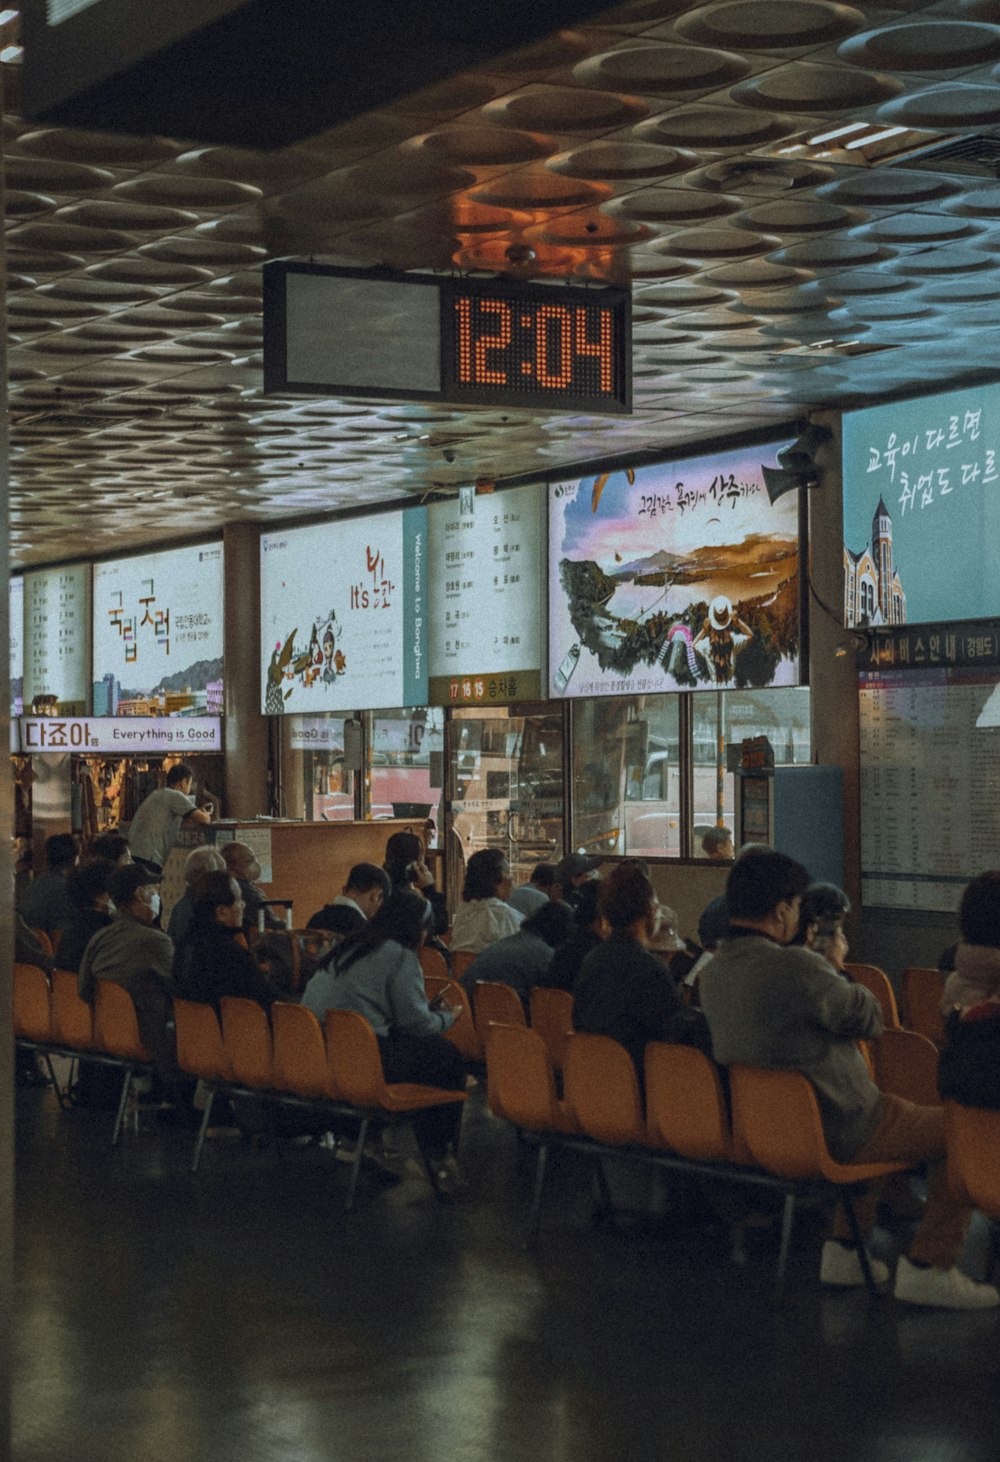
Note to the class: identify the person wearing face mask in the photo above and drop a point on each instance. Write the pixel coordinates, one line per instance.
(241, 864)
(131, 952)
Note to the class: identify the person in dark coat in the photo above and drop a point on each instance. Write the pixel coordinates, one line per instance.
(90, 892)
(211, 960)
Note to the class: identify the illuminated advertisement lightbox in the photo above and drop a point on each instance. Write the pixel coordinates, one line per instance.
(922, 509)
(344, 615)
(16, 611)
(680, 576)
(158, 634)
(57, 640)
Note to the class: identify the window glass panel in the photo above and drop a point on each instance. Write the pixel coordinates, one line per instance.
(626, 776)
(729, 717)
(405, 764)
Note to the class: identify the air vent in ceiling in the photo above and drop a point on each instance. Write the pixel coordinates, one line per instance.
(976, 154)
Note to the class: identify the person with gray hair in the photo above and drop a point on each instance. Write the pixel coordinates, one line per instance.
(199, 861)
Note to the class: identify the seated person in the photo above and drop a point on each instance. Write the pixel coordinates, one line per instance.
(522, 959)
(131, 952)
(537, 892)
(241, 863)
(375, 971)
(717, 844)
(199, 861)
(407, 868)
(573, 873)
(47, 904)
(113, 846)
(484, 915)
(623, 990)
(366, 889)
(591, 928)
(969, 1070)
(771, 1004)
(90, 890)
(210, 961)
(821, 923)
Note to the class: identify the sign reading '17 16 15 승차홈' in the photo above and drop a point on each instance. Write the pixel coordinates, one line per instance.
(683, 576)
(922, 510)
(344, 615)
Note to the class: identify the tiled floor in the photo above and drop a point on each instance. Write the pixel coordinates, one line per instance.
(240, 1316)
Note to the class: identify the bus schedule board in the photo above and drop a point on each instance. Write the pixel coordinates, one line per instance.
(487, 627)
(680, 576)
(922, 509)
(158, 633)
(344, 615)
(57, 639)
(491, 342)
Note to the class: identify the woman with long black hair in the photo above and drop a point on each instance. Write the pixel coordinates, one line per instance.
(376, 973)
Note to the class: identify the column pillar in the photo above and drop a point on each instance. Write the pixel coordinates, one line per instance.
(246, 738)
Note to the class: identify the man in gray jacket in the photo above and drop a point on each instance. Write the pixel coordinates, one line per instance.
(784, 1007)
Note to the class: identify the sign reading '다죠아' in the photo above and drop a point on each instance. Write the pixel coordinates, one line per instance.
(487, 634)
(681, 576)
(344, 615)
(158, 634)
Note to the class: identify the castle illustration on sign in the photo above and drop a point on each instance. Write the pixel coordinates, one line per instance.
(873, 591)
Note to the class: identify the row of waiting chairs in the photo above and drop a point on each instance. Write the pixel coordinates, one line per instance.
(290, 1059)
(768, 1133)
(921, 989)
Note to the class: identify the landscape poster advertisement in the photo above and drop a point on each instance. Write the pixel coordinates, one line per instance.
(922, 509)
(344, 615)
(158, 634)
(680, 576)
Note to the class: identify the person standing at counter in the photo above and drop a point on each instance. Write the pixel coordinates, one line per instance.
(160, 816)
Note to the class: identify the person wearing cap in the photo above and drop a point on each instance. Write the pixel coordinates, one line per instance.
(131, 952)
(572, 872)
(157, 823)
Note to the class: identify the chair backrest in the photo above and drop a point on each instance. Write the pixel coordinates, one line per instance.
(45, 940)
(300, 1064)
(519, 1081)
(906, 1065)
(462, 1033)
(686, 1103)
(776, 1120)
(973, 1163)
(116, 1026)
(432, 962)
(32, 1010)
(246, 1039)
(354, 1057)
(461, 959)
(494, 1001)
(200, 1051)
(877, 981)
(551, 1015)
(72, 1018)
(602, 1090)
(922, 992)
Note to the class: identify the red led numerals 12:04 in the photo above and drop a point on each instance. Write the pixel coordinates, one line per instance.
(548, 341)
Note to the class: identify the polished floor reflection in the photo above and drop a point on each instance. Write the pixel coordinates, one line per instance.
(240, 1316)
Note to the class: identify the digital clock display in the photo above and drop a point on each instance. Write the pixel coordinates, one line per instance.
(545, 346)
(419, 337)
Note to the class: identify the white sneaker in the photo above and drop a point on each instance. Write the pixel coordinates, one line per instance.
(943, 1289)
(842, 1268)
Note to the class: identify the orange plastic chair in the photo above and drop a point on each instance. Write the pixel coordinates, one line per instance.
(461, 959)
(877, 981)
(906, 1065)
(686, 1105)
(246, 1040)
(602, 1090)
(356, 1070)
(116, 1033)
(432, 962)
(551, 1015)
(521, 1089)
(922, 992)
(300, 1064)
(974, 1155)
(462, 1033)
(201, 1053)
(45, 940)
(72, 1018)
(32, 1011)
(494, 1001)
(776, 1120)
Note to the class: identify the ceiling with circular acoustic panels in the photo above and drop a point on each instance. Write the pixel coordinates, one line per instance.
(803, 195)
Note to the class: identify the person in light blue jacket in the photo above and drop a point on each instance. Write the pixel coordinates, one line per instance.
(375, 972)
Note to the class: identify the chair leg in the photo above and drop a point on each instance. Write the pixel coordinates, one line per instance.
(120, 1115)
(607, 1208)
(535, 1215)
(787, 1217)
(60, 1098)
(200, 1142)
(359, 1153)
(859, 1241)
